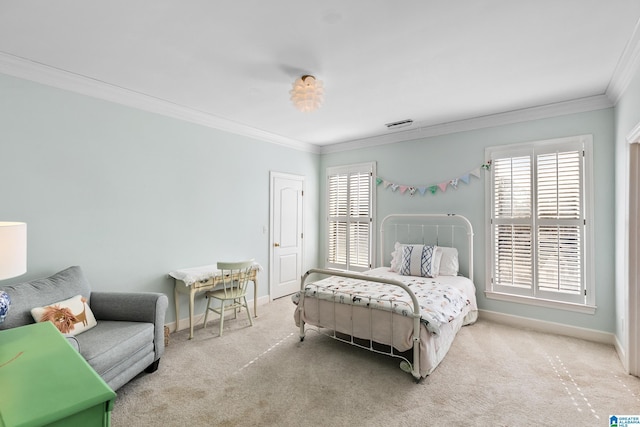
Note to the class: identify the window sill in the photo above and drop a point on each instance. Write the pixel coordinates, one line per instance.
(560, 305)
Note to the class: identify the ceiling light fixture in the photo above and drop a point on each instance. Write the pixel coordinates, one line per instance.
(307, 93)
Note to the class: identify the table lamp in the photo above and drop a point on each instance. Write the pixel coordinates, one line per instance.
(13, 257)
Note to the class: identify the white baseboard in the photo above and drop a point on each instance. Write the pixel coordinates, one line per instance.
(549, 327)
(198, 318)
(621, 354)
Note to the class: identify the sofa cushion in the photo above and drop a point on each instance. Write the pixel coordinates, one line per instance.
(72, 316)
(41, 292)
(73, 342)
(112, 344)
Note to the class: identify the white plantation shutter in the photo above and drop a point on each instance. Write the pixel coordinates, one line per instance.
(338, 196)
(350, 216)
(513, 257)
(538, 222)
(560, 222)
(512, 187)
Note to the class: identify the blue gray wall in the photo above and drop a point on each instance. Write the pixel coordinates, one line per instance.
(627, 118)
(130, 195)
(433, 160)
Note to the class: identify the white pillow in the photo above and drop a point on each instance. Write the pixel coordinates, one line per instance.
(420, 260)
(449, 262)
(396, 255)
(71, 316)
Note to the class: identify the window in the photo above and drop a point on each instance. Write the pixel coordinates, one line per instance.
(350, 207)
(539, 196)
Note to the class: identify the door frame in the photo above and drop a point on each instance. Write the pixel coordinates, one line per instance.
(632, 254)
(272, 176)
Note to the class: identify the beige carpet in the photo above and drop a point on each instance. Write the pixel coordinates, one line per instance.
(264, 376)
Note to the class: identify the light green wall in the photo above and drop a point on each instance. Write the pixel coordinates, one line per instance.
(627, 118)
(130, 195)
(433, 160)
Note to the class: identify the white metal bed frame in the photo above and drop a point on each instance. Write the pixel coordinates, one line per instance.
(463, 222)
(412, 367)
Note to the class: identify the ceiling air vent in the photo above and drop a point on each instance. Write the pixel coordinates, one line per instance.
(400, 124)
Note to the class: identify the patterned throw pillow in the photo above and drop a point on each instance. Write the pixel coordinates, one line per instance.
(71, 316)
(420, 260)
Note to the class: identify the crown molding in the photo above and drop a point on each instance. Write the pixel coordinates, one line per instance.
(62, 79)
(581, 105)
(627, 67)
(634, 135)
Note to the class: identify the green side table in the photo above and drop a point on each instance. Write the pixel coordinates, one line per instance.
(46, 382)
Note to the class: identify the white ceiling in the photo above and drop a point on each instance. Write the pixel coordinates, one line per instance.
(230, 63)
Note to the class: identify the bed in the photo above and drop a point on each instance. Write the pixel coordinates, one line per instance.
(410, 308)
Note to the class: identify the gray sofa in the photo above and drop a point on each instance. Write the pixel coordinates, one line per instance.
(129, 336)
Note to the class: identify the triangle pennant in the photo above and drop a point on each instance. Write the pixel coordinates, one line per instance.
(433, 189)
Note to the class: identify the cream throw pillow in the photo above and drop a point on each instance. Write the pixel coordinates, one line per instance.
(72, 316)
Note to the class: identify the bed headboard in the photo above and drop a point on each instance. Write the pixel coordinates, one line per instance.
(434, 229)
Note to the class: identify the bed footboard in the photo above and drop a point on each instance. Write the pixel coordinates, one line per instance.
(363, 331)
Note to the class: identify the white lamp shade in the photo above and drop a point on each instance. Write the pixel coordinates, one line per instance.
(307, 93)
(13, 249)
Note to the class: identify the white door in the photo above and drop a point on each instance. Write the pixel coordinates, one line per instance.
(286, 233)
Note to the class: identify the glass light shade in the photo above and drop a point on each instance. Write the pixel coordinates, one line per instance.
(307, 93)
(13, 249)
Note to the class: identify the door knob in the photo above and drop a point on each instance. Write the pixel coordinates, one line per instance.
(277, 245)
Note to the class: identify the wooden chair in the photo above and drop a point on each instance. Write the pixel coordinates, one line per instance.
(233, 294)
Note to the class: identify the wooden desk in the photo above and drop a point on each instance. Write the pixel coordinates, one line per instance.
(199, 279)
(45, 381)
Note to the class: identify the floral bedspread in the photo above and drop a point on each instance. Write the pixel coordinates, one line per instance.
(439, 303)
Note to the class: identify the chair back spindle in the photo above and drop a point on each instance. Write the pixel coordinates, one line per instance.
(234, 277)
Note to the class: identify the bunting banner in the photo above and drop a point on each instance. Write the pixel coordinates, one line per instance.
(433, 189)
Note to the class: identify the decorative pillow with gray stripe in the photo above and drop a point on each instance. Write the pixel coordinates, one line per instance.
(420, 260)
